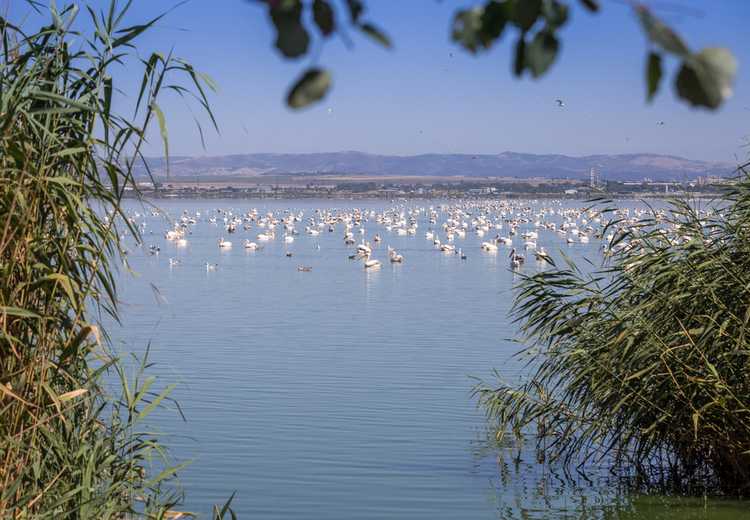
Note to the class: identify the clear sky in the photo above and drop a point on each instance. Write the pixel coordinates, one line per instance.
(427, 95)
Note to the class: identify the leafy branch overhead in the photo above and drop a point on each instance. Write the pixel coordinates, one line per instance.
(704, 77)
(293, 36)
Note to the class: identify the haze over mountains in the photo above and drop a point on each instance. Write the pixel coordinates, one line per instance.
(507, 164)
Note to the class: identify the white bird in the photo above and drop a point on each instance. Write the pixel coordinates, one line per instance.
(364, 249)
(371, 264)
(515, 259)
(394, 256)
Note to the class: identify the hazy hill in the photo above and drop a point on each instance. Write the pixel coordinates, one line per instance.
(507, 164)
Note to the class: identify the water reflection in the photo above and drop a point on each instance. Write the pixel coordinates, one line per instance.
(524, 488)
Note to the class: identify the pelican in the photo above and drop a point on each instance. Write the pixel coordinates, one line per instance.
(394, 256)
(224, 244)
(252, 246)
(364, 248)
(371, 264)
(515, 259)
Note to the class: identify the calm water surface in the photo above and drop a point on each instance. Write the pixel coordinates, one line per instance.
(342, 393)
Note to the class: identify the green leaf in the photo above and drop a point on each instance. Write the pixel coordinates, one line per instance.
(66, 284)
(291, 36)
(706, 78)
(526, 12)
(466, 27)
(50, 96)
(17, 311)
(653, 74)
(541, 53)
(323, 16)
(591, 5)
(494, 19)
(660, 34)
(150, 407)
(376, 34)
(311, 87)
(219, 515)
(519, 62)
(555, 13)
(162, 130)
(476, 29)
(356, 8)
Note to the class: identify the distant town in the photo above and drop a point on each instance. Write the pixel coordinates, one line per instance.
(285, 187)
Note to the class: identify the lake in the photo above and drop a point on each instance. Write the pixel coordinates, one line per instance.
(344, 392)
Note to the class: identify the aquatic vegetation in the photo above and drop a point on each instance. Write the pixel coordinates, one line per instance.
(644, 361)
(68, 448)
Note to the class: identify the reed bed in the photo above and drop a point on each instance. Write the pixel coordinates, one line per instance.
(69, 447)
(644, 361)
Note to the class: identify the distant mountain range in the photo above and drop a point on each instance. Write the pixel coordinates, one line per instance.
(507, 164)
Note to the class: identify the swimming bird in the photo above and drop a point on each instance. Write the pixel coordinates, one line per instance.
(371, 264)
(394, 256)
(515, 259)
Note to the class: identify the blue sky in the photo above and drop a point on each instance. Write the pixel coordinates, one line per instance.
(427, 95)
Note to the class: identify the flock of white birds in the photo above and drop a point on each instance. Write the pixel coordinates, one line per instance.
(519, 227)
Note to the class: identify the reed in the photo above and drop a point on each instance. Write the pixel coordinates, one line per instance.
(69, 448)
(645, 361)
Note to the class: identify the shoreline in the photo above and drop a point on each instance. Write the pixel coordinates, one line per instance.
(158, 195)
